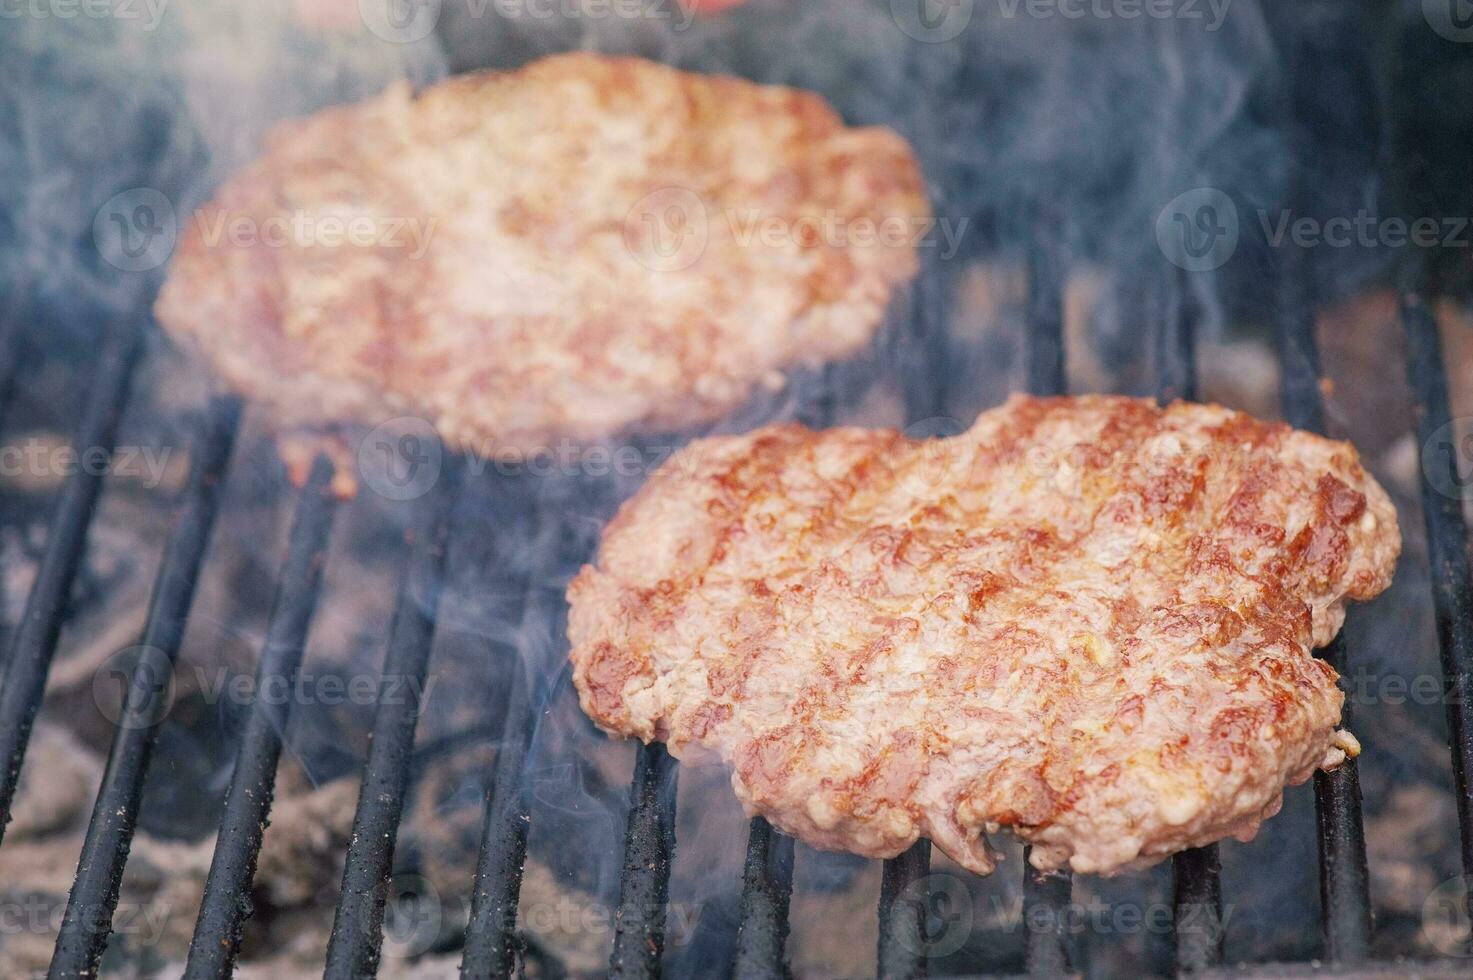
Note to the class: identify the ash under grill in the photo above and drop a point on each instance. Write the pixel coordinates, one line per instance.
(755, 942)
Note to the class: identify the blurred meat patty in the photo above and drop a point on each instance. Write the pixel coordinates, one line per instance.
(582, 247)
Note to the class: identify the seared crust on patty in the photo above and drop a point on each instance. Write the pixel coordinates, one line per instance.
(1088, 619)
(582, 247)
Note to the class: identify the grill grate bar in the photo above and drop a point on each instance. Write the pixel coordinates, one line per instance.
(34, 642)
(1045, 896)
(491, 945)
(767, 887)
(1197, 908)
(904, 897)
(94, 896)
(354, 946)
(1345, 900)
(923, 344)
(226, 903)
(11, 352)
(1173, 346)
(1196, 891)
(1043, 336)
(921, 366)
(1447, 544)
(649, 851)
(767, 878)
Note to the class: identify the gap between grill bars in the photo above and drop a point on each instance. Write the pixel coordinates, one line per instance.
(226, 901)
(357, 930)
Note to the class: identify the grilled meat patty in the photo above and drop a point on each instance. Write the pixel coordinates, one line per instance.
(1089, 620)
(585, 246)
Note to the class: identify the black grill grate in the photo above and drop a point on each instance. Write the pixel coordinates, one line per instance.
(491, 945)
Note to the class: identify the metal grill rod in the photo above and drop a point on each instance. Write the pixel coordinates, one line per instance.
(354, 947)
(1447, 544)
(904, 897)
(1045, 951)
(767, 877)
(34, 642)
(649, 851)
(767, 888)
(1196, 891)
(490, 943)
(921, 367)
(226, 902)
(94, 896)
(1345, 900)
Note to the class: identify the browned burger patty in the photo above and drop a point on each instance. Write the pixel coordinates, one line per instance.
(584, 246)
(1086, 619)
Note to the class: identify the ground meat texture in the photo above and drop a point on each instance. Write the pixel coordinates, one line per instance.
(1089, 620)
(585, 247)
